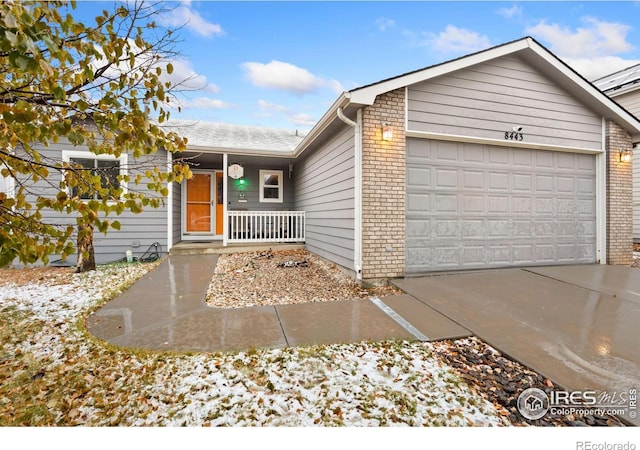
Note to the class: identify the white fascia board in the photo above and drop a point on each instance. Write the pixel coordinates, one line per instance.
(342, 101)
(239, 151)
(367, 95)
(623, 90)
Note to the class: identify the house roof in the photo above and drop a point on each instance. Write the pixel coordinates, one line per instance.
(261, 141)
(244, 139)
(527, 48)
(619, 82)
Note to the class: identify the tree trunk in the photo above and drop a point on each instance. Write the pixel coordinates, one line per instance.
(86, 255)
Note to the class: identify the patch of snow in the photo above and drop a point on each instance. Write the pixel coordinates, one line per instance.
(360, 384)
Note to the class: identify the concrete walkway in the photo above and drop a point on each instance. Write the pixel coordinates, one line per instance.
(165, 310)
(576, 325)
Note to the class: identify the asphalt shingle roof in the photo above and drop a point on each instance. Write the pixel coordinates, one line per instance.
(232, 136)
(628, 76)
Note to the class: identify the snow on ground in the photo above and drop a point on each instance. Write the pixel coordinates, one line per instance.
(53, 373)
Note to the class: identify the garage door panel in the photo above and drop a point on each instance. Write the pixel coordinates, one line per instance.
(523, 254)
(522, 182)
(498, 204)
(521, 205)
(586, 164)
(419, 176)
(473, 179)
(477, 206)
(446, 178)
(544, 160)
(473, 204)
(446, 203)
(498, 181)
(498, 156)
(566, 185)
(524, 159)
(418, 202)
(585, 186)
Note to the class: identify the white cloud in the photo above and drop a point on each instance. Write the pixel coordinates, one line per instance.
(594, 68)
(185, 77)
(266, 106)
(458, 40)
(384, 23)
(302, 119)
(206, 103)
(596, 38)
(286, 77)
(509, 13)
(185, 15)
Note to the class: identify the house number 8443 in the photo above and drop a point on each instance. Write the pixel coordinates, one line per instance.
(513, 136)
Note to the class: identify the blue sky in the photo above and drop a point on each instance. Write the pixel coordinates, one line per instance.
(282, 64)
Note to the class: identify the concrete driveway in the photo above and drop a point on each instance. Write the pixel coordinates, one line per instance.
(579, 326)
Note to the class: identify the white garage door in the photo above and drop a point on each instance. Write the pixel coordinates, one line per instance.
(473, 206)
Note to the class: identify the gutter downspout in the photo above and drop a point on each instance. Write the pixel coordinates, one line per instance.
(357, 231)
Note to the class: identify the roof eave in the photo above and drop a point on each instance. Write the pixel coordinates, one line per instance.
(240, 151)
(332, 113)
(617, 91)
(367, 95)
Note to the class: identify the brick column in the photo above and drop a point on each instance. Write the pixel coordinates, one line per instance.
(383, 189)
(619, 197)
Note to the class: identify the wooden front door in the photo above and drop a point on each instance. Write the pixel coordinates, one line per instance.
(199, 203)
(219, 202)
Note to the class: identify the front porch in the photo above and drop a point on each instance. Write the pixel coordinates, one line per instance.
(222, 206)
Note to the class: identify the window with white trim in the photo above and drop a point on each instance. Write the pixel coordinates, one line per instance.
(107, 166)
(271, 186)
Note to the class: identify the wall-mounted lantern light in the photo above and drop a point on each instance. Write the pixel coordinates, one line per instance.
(387, 132)
(625, 155)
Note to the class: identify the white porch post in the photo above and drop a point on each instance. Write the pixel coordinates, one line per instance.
(169, 204)
(225, 218)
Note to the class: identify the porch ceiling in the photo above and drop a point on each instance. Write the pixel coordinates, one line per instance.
(214, 160)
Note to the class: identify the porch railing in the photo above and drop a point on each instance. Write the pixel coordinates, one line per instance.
(266, 226)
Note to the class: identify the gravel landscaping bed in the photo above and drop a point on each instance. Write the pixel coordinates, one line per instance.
(501, 380)
(282, 277)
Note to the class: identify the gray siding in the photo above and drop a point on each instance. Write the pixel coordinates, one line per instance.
(252, 186)
(630, 101)
(138, 231)
(325, 189)
(489, 99)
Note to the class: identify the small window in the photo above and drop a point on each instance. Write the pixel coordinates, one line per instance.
(107, 167)
(271, 186)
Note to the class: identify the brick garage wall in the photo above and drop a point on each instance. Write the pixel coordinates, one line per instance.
(619, 197)
(383, 188)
